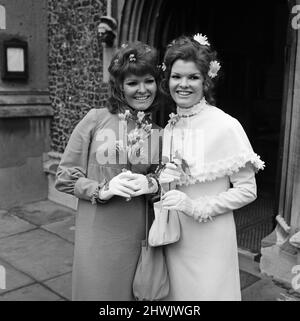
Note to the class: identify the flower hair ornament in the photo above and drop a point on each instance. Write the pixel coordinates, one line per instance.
(132, 58)
(202, 39)
(214, 67)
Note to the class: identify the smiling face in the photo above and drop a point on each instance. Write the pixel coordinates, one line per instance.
(185, 83)
(139, 91)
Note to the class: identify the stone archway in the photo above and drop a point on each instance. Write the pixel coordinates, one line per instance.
(157, 22)
(139, 20)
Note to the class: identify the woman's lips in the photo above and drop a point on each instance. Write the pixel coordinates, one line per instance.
(183, 93)
(142, 98)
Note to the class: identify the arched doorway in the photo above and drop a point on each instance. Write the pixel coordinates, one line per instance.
(251, 44)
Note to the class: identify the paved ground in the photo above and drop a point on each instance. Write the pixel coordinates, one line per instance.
(36, 250)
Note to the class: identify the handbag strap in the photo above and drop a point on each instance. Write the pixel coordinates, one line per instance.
(147, 222)
(147, 197)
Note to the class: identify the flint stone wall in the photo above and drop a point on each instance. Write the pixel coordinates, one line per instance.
(75, 64)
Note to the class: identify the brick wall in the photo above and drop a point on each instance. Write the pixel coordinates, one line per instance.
(75, 64)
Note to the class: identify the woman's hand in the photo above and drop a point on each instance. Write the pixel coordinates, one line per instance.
(121, 185)
(178, 201)
(143, 184)
(171, 173)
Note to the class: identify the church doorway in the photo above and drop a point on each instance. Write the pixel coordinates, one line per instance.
(250, 39)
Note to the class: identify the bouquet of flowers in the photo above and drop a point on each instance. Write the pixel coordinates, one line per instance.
(133, 143)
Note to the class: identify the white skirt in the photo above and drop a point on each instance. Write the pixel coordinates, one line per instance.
(203, 264)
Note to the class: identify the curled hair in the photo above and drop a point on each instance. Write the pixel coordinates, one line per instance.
(134, 58)
(188, 49)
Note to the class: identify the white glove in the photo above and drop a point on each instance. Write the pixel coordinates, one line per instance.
(142, 185)
(171, 173)
(120, 185)
(178, 201)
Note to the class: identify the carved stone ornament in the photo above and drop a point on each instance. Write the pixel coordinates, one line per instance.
(295, 240)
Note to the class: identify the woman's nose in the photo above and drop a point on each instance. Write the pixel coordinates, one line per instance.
(184, 82)
(142, 87)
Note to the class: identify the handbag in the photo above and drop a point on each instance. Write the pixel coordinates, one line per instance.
(165, 228)
(151, 279)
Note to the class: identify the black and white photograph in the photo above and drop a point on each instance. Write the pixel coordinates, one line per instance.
(149, 153)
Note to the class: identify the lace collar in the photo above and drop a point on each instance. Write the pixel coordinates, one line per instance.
(192, 111)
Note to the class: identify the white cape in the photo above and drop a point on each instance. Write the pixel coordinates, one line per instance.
(212, 143)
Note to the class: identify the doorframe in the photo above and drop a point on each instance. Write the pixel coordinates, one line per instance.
(133, 27)
(286, 154)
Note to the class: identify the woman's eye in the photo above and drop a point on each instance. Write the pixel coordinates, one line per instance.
(131, 84)
(175, 77)
(195, 77)
(150, 81)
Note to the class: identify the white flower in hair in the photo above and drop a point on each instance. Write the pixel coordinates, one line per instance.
(132, 58)
(202, 39)
(163, 67)
(214, 67)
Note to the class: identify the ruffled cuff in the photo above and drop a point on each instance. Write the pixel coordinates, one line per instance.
(85, 188)
(95, 196)
(203, 210)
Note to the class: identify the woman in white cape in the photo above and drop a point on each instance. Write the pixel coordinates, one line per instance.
(210, 159)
